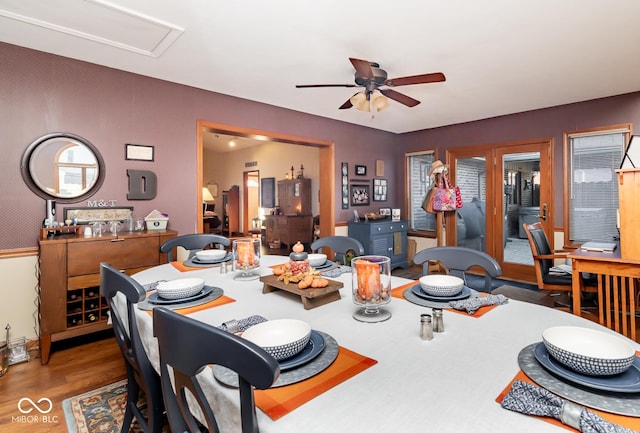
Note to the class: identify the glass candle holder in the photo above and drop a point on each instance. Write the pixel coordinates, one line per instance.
(246, 258)
(371, 277)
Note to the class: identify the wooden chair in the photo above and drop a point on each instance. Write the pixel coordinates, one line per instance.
(141, 377)
(459, 260)
(618, 299)
(340, 245)
(188, 346)
(193, 243)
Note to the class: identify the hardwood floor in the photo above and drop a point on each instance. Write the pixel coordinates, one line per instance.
(76, 366)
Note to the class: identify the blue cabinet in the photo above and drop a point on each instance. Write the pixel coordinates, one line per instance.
(383, 238)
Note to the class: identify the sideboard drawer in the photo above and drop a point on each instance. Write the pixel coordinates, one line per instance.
(387, 227)
(121, 253)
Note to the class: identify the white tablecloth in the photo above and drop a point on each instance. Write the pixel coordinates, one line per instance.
(448, 384)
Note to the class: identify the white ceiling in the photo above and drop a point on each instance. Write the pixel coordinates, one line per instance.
(499, 56)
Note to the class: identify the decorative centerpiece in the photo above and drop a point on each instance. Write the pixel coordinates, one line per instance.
(371, 277)
(297, 270)
(298, 277)
(246, 258)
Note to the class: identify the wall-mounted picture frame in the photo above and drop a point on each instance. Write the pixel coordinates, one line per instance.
(385, 211)
(361, 170)
(345, 185)
(379, 189)
(88, 215)
(138, 152)
(360, 195)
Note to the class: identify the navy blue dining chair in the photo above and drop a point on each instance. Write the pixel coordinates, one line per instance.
(188, 346)
(458, 260)
(192, 243)
(340, 245)
(141, 377)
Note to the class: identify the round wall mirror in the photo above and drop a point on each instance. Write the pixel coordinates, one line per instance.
(63, 167)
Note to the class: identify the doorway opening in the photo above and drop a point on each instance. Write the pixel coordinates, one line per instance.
(326, 193)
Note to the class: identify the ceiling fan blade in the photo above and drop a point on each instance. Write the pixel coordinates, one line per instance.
(397, 96)
(301, 86)
(416, 79)
(347, 104)
(363, 68)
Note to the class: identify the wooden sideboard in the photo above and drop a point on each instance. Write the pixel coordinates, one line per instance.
(289, 229)
(70, 304)
(383, 238)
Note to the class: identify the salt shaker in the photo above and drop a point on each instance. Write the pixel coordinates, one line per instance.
(426, 331)
(438, 322)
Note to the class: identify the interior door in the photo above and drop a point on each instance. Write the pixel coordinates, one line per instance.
(502, 187)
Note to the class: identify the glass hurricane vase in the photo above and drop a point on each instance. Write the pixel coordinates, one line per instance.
(371, 277)
(246, 258)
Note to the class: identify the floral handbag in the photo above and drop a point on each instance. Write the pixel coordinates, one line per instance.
(446, 197)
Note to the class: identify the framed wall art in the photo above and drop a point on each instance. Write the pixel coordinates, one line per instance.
(361, 170)
(345, 185)
(360, 195)
(138, 152)
(379, 189)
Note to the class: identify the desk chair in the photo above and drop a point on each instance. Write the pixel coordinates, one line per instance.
(193, 243)
(188, 346)
(340, 245)
(543, 258)
(140, 373)
(458, 260)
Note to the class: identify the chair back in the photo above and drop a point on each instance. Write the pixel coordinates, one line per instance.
(458, 260)
(140, 373)
(340, 245)
(188, 346)
(193, 243)
(539, 246)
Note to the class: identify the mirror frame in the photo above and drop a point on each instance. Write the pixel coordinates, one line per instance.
(42, 141)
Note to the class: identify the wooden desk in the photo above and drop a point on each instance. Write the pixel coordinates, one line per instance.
(617, 286)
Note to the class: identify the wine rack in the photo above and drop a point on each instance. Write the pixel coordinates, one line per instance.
(85, 306)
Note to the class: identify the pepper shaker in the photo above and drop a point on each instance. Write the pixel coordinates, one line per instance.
(426, 331)
(438, 322)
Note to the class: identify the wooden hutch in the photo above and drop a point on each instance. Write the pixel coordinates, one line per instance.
(295, 221)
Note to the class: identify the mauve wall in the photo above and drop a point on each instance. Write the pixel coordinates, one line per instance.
(43, 93)
(550, 122)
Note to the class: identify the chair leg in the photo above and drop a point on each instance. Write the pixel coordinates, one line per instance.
(132, 399)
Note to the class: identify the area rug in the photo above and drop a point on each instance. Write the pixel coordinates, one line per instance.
(100, 410)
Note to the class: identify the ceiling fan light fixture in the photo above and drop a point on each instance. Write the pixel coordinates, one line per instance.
(360, 101)
(379, 101)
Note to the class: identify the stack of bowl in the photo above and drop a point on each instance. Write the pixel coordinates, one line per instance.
(441, 285)
(281, 338)
(588, 351)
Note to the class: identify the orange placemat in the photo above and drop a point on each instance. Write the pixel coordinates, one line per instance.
(215, 303)
(398, 293)
(183, 268)
(626, 421)
(277, 402)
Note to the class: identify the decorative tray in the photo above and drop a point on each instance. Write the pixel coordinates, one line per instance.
(310, 298)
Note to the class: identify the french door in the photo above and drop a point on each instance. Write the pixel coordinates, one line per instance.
(503, 186)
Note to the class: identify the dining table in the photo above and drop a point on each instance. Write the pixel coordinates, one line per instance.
(388, 379)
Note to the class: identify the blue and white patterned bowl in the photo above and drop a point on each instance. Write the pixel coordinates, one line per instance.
(588, 351)
(180, 288)
(281, 338)
(441, 285)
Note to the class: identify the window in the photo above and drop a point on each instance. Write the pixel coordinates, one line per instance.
(592, 193)
(418, 166)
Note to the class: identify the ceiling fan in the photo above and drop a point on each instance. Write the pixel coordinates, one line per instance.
(370, 76)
